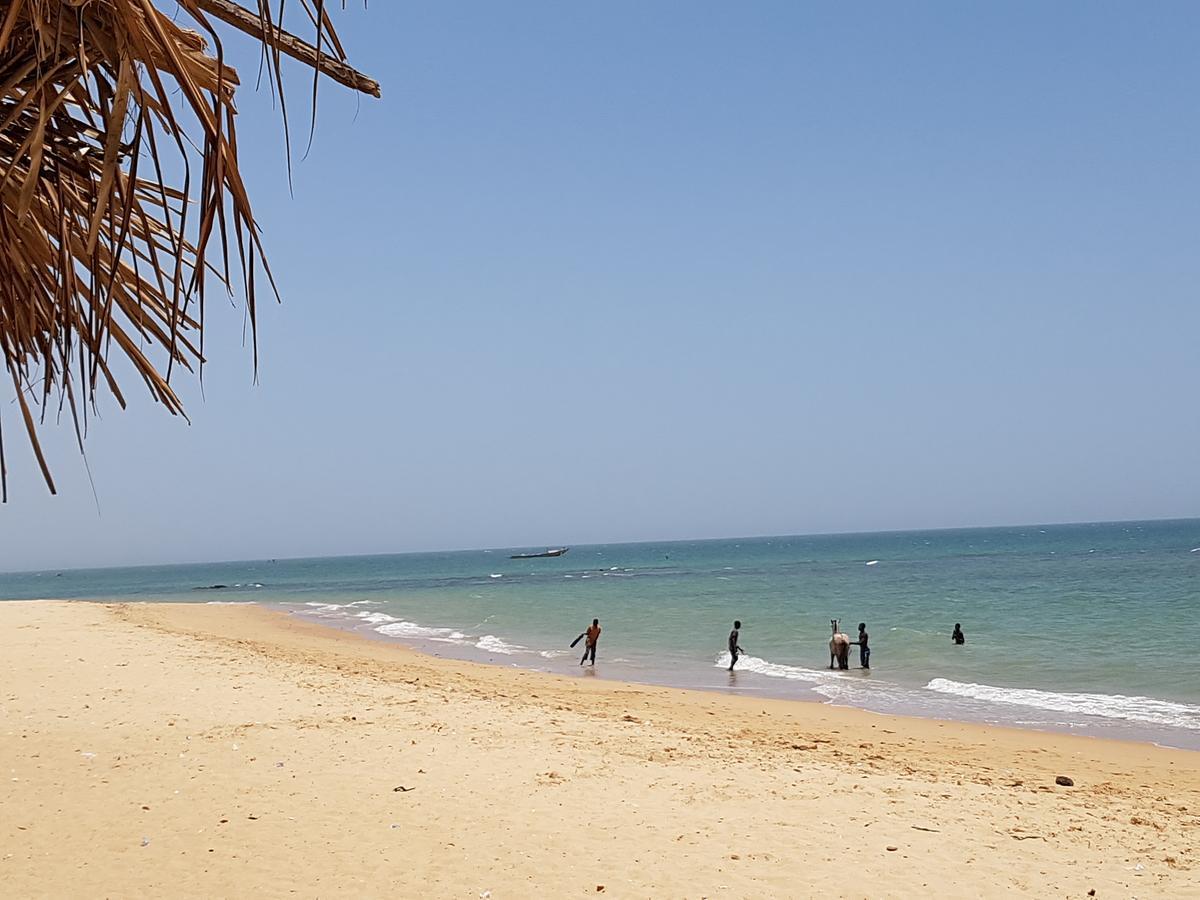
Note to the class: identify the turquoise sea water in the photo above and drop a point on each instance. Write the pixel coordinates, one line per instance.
(1088, 628)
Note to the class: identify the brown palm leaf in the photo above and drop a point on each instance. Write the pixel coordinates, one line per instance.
(100, 247)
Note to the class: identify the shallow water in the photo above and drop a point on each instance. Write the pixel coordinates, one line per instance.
(1076, 627)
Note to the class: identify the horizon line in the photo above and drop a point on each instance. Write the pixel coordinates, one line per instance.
(749, 537)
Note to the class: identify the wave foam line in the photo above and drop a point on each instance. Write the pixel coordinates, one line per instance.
(1106, 706)
(493, 644)
(413, 630)
(375, 618)
(770, 669)
(326, 607)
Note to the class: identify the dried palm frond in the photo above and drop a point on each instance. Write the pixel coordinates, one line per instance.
(120, 194)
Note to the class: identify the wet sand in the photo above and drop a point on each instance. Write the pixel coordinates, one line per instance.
(189, 750)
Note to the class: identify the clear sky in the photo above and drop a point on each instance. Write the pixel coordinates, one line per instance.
(627, 270)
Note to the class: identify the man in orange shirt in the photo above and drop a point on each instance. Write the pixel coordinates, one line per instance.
(592, 635)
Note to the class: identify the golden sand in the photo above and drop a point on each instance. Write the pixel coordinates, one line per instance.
(194, 750)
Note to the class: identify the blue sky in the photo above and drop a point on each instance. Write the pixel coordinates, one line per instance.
(632, 271)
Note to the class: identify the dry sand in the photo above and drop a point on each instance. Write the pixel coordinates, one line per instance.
(193, 750)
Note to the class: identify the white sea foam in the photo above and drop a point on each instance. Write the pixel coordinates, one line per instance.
(853, 691)
(326, 607)
(413, 630)
(496, 575)
(873, 562)
(493, 644)
(773, 670)
(555, 654)
(1106, 706)
(375, 618)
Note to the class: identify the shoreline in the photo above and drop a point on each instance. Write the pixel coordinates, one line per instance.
(255, 751)
(428, 650)
(666, 609)
(754, 685)
(586, 674)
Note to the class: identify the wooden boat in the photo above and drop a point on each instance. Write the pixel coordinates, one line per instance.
(559, 552)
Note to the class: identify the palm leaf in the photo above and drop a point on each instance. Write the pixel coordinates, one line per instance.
(99, 251)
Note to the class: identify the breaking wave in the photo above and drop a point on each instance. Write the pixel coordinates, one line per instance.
(770, 669)
(413, 630)
(375, 618)
(1105, 706)
(493, 644)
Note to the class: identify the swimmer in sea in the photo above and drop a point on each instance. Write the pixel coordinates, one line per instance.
(958, 637)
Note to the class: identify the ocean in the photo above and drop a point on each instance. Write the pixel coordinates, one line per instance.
(1084, 628)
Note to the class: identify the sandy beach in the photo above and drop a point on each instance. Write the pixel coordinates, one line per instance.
(222, 750)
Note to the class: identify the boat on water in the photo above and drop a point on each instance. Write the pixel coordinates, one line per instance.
(559, 552)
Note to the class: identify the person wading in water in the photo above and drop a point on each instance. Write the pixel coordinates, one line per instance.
(592, 635)
(734, 649)
(864, 649)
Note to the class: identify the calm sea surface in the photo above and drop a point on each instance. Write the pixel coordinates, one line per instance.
(1087, 628)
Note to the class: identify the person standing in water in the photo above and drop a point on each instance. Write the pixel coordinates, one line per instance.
(589, 647)
(864, 648)
(734, 649)
(958, 637)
